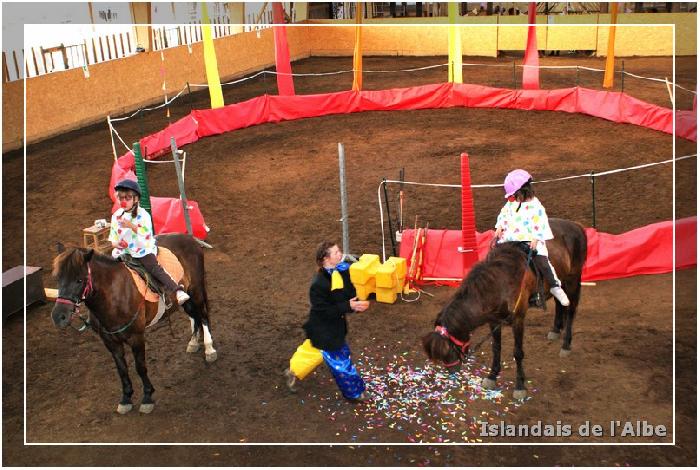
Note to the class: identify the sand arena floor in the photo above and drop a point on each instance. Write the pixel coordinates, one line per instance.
(270, 194)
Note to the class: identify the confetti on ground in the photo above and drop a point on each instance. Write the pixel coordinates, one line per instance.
(414, 397)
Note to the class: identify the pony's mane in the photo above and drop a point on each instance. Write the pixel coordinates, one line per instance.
(504, 258)
(72, 260)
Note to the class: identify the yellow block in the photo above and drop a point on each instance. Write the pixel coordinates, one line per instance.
(364, 269)
(305, 360)
(400, 266)
(364, 290)
(400, 285)
(386, 295)
(386, 275)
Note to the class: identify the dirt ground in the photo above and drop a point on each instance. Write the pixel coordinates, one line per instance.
(270, 194)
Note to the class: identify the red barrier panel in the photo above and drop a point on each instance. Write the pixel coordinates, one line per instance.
(613, 106)
(646, 250)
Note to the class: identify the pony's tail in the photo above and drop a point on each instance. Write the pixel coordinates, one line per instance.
(436, 346)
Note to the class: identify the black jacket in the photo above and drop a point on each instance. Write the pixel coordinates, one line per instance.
(327, 326)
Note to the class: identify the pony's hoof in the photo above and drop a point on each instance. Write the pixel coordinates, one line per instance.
(192, 348)
(123, 409)
(553, 336)
(211, 357)
(487, 383)
(564, 352)
(146, 408)
(519, 394)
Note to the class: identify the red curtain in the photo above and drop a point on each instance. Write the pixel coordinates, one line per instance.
(285, 83)
(645, 250)
(531, 71)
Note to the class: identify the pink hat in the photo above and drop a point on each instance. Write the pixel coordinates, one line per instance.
(515, 180)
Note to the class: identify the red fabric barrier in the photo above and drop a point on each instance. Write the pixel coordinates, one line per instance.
(613, 106)
(184, 131)
(646, 250)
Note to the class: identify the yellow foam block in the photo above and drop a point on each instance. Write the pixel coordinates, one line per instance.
(400, 285)
(386, 275)
(305, 360)
(386, 295)
(364, 290)
(400, 266)
(369, 258)
(364, 269)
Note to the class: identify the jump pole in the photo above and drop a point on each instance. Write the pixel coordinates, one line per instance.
(181, 185)
(145, 199)
(344, 203)
(469, 251)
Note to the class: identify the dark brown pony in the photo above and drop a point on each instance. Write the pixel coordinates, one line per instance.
(496, 291)
(118, 311)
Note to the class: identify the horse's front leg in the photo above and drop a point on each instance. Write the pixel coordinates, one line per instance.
(117, 350)
(490, 381)
(138, 348)
(520, 391)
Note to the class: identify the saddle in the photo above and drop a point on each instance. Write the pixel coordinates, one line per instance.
(146, 283)
(537, 298)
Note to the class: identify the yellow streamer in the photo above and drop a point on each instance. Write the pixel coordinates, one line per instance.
(454, 45)
(608, 79)
(215, 94)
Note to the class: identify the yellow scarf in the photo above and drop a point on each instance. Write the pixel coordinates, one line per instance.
(336, 281)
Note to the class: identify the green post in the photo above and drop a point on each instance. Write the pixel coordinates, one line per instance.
(141, 176)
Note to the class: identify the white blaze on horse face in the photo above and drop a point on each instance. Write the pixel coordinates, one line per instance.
(208, 341)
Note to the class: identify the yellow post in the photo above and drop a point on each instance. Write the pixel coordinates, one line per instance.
(357, 55)
(610, 60)
(454, 45)
(215, 94)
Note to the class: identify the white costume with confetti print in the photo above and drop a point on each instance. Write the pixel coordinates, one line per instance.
(140, 242)
(525, 224)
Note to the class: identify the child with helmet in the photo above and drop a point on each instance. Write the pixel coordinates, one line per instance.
(524, 219)
(131, 233)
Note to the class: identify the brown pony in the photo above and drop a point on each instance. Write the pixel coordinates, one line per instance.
(118, 311)
(496, 291)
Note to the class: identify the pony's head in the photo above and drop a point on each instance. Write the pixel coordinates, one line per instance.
(442, 346)
(71, 270)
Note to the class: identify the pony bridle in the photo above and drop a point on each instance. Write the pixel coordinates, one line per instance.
(75, 304)
(462, 346)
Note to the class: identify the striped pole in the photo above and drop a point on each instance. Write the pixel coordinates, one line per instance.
(145, 200)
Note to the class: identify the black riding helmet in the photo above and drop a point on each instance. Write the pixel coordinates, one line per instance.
(130, 185)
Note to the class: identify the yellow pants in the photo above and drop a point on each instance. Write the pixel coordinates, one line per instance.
(305, 360)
